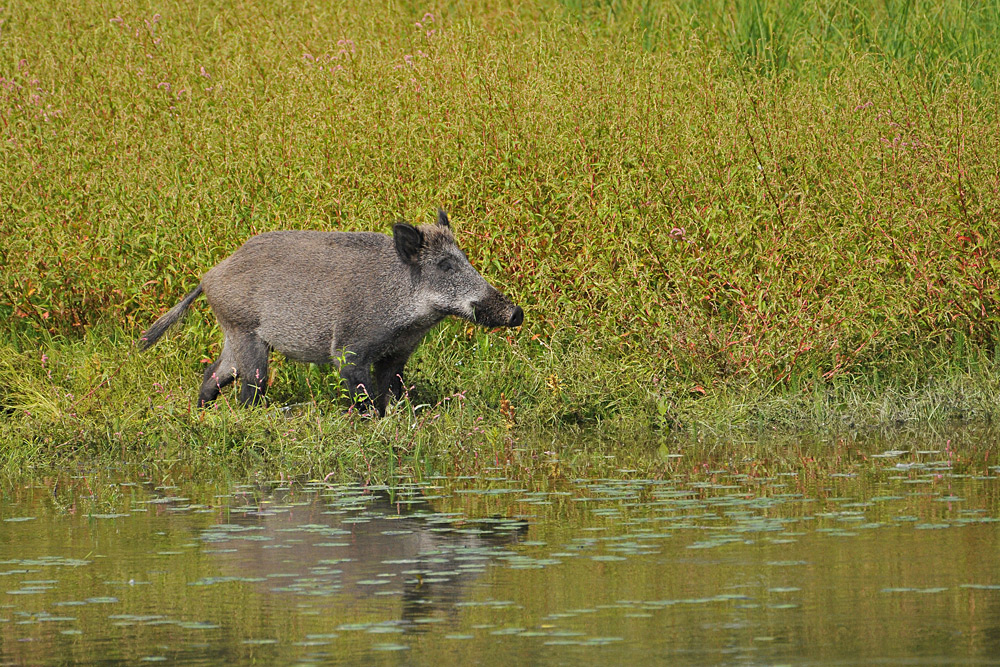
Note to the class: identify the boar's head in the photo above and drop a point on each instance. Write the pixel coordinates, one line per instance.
(444, 280)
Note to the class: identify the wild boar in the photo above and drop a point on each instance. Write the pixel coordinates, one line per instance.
(360, 300)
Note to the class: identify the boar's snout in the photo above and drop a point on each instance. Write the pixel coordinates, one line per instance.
(496, 310)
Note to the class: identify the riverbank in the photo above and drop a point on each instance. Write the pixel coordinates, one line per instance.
(475, 402)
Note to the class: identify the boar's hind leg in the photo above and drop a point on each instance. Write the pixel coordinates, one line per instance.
(251, 354)
(220, 374)
(244, 355)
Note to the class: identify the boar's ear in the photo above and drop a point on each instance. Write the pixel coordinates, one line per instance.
(443, 218)
(408, 240)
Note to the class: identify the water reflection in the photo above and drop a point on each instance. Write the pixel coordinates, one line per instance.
(356, 544)
(888, 559)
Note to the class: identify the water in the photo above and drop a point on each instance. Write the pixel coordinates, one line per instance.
(895, 563)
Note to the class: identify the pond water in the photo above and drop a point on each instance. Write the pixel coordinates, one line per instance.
(897, 562)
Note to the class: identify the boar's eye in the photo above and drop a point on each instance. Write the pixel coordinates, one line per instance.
(446, 265)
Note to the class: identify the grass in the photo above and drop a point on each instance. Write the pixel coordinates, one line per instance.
(718, 216)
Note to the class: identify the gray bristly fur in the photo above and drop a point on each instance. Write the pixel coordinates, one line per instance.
(360, 300)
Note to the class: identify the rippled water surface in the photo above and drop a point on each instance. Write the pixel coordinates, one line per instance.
(899, 564)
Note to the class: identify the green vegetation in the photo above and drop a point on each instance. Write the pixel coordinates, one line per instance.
(717, 215)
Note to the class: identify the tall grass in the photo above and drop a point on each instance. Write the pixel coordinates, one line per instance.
(701, 206)
(814, 38)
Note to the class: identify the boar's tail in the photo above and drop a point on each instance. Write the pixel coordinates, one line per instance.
(161, 325)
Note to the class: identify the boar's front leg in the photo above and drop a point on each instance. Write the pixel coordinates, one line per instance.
(389, 380)
(357, 374)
